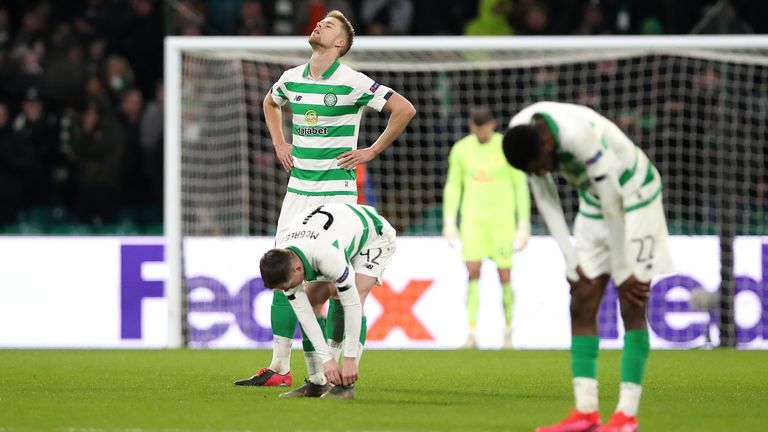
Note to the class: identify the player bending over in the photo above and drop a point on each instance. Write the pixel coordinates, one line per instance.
(327, 100)
(349, 245)
(477, 178)
(620, 232)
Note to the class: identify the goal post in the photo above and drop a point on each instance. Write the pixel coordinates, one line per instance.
(696, 104)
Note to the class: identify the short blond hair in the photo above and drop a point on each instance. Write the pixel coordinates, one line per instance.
(346, 27)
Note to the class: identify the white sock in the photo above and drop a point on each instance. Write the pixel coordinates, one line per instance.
(335, 349)
(281, 355)
(315, 368)
(585, 393)
(629, 398)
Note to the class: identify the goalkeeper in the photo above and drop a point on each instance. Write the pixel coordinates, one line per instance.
(620, 232)
(495, 211)
(327, 100)
(349, 245)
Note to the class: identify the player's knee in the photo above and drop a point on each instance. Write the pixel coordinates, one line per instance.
(584, 310)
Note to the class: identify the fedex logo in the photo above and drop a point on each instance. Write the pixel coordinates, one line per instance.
(397, 307)
(660, 307)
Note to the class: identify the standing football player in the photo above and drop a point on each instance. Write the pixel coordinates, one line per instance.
(326, 99)
(495, 211)
(620, 231)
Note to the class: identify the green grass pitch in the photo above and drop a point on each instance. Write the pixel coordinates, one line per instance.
(191, 390)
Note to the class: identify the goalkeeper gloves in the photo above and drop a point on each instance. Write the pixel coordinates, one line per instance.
(523, 234)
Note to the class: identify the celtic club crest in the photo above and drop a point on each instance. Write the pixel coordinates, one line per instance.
(330, 99)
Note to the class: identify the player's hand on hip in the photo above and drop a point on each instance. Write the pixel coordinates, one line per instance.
(635, 291)
(353, 158)
(349, 372)
(332, 372)
(284, 155)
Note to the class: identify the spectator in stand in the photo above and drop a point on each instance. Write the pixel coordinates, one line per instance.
(36, 133)
(131, 110)
(142, 45)
(98, 152)
(491, 19)
(152, 146)
(592, 21)
(14, 169)
(535, 23)
(252, 19)
(118, 76)
(386, 17)
(310, 12)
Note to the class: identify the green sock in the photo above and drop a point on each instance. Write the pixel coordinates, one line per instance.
(334, 329)
(508, 298)
(473, 301)
(308, 347)
(584, 356)
(284, 320)
(634, 356)
(363, 330)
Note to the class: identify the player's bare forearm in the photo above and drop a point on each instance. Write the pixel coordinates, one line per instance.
(402, 113)
(274, 118)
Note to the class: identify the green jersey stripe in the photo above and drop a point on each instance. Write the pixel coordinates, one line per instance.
(366, 227)
(322, 175)
(309, 272)
(321, 193)
(377, 224)
(364, 99)
(322, 110)
(348, 251)
(589, 215)
(324, 131)
(588, 199)
(628, 174)
(318, 153)
(280, 92)
(649, 176)
(318, 88)
(644, 203)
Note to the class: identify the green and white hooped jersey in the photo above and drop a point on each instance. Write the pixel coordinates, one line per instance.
(326, 120)
(589, 145)
(328, 236)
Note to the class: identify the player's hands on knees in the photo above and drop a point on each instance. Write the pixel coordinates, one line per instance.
(284, 155)
(349, 372)
(332, 372)
(635, 291)
(582, 282)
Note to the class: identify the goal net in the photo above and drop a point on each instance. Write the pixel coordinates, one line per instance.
(696, 106)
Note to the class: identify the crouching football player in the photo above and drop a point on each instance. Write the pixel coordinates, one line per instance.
(349, 245)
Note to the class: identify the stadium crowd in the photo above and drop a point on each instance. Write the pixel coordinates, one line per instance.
(81, 94)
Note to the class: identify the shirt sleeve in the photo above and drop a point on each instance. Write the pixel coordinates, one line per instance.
(452, 190)
(303, 309)
(522, 195)
(602, 168)
(547, 201)
(372, 94)
(278, 91)
(333, 264)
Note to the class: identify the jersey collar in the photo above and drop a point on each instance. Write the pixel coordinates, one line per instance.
(309, 272)
(328, 72)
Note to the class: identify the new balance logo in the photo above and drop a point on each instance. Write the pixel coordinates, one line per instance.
(297, 98)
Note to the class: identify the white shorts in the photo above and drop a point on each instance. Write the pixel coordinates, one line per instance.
(646, 243)
(293, 204)
(374, 257)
